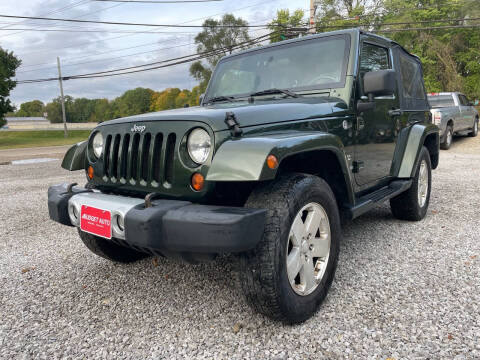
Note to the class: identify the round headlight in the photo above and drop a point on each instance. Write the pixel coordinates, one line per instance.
(199, 145)
(97, 144)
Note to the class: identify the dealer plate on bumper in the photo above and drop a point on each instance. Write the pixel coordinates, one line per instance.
(96, 221)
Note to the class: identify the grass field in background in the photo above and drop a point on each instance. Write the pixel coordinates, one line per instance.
(37, 138)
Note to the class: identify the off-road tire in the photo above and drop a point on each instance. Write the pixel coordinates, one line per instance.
(263, 274)
(405, 206)
(109, 250)
(474, 131)
(445, 145)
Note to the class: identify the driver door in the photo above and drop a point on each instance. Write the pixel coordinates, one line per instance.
(376, 129)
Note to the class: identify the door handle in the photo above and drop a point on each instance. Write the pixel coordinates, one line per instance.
(395, 112)
(360, 123)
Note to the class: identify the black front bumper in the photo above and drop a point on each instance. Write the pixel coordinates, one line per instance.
(176, 226)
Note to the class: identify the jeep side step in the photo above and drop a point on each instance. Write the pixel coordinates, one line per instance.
(368, 201)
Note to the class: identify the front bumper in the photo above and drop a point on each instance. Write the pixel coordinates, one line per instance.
(168, 226)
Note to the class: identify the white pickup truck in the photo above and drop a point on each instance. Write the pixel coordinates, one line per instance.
(453, 114)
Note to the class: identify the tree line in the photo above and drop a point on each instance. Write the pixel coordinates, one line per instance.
(132, 102)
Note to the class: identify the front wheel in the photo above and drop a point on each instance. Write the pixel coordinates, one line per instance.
(474, 131)
(413, 204)
(288, 274)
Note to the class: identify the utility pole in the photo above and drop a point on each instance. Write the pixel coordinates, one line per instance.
(62, 98)
(313, 8)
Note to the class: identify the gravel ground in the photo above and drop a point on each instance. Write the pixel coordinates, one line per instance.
(402, 290)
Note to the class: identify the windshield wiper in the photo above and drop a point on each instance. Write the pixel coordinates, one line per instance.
(275, 91)
(220, 98)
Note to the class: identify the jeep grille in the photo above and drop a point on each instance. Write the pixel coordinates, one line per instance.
(139, 159)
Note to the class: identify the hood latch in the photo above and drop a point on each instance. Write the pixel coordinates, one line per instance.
(233, 125)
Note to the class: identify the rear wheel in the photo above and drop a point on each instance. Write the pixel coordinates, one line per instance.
(109, 250)
(474, 131)
(288, 274)
(413, 204)
(448, 138)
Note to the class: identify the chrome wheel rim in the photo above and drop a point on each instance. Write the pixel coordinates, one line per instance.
(422, 183)
(308, 248)
(449, 137)
(475, 127)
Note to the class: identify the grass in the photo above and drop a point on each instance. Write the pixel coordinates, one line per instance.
(39, 138)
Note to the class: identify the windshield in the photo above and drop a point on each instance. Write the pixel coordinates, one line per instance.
(310, 64)
(439, 101)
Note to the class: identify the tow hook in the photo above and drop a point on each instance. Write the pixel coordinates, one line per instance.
(149, 198)
(70, 189)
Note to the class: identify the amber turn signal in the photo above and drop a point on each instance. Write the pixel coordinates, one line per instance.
(272, 162)
(198, 181)
(90, 172)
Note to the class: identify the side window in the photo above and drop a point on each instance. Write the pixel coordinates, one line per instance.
(410, 71)
(463, 100)
(373, 58)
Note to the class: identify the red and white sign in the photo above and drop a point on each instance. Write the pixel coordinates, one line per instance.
(96, 221)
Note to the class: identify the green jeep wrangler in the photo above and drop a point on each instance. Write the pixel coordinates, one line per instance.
(289, 139)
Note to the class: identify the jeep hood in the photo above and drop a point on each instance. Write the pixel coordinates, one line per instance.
(247, 114)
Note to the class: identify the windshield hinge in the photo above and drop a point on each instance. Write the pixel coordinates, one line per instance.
(233, 125)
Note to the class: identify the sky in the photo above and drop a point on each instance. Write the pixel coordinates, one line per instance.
(85, 51)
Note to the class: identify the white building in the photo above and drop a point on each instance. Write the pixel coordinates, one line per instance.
(31, 120)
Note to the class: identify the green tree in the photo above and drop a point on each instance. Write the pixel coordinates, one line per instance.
(220, 40)
(279, 26)
(8, 65)
(31, 108)
(81, 110)
(103, 111)
(450, 57)
(164, 100)
(54, 109)
(132, 102)
(194, 97)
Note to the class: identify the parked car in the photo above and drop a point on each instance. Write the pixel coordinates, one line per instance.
(288, 137)
(453, 114)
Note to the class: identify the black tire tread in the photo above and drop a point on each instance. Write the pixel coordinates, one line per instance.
(405, 206)
(257, 271)
(443, 144)
(472, 133)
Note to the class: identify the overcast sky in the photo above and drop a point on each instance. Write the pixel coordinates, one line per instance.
(84, 52)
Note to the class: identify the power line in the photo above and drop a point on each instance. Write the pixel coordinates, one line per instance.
(257, 26)
(94, 54)
(430, 28)
(398, 30)
(107, 59)
(202, 54)
(92, 12)
(216, 52)
(186, 22)
(81, 2)
(101, 31)
(132, 24)
(399, 23)
(138, 68)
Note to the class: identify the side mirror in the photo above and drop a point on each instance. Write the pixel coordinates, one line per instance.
(379, 83)
(200, 99)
